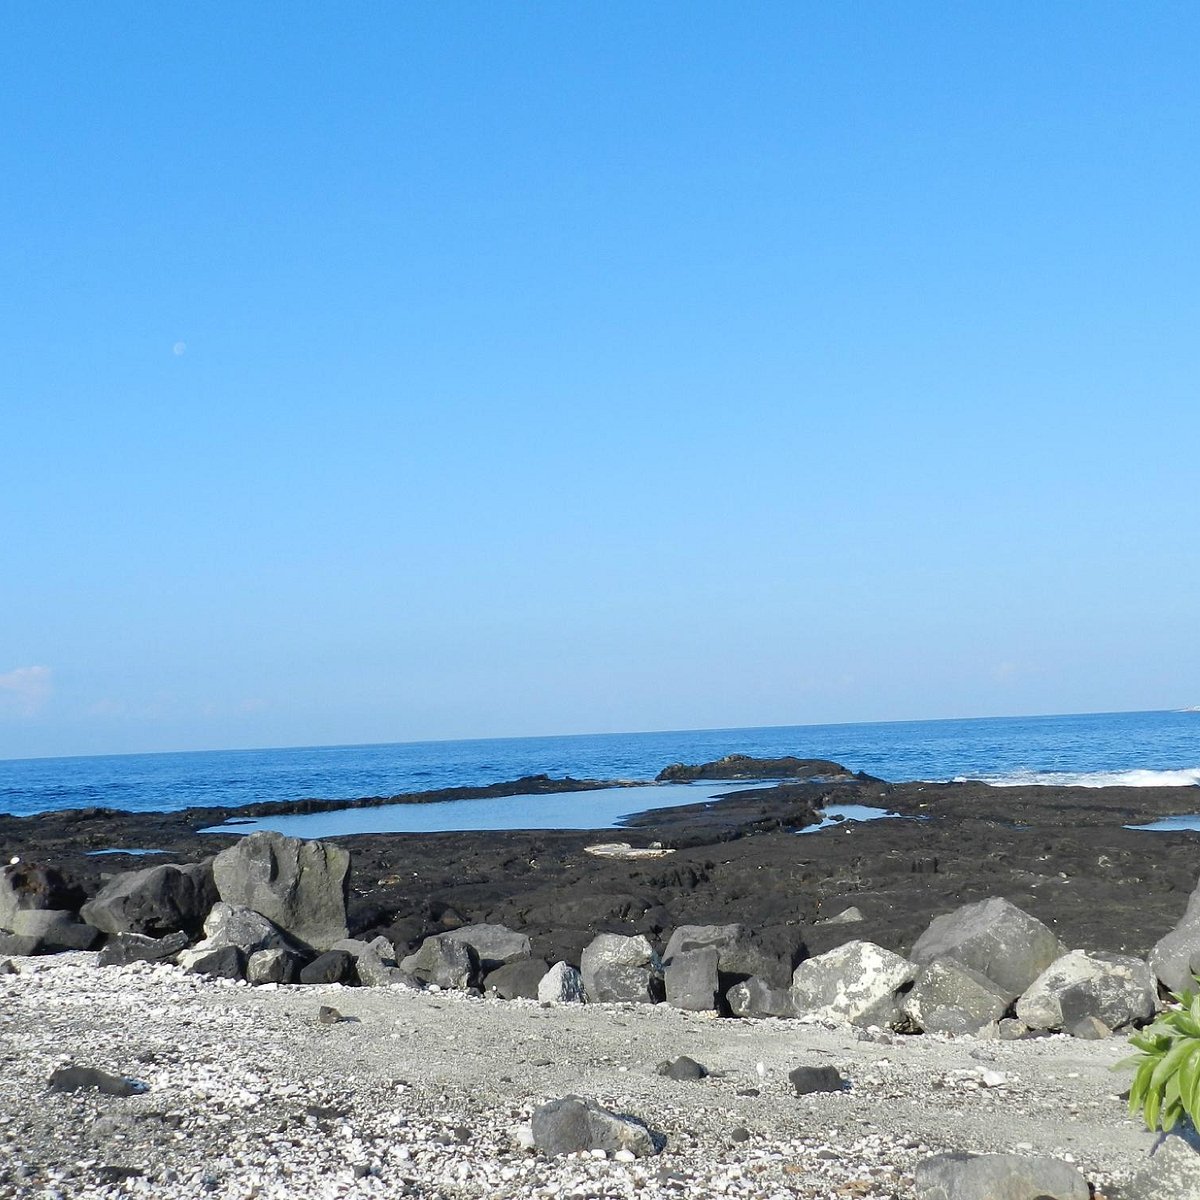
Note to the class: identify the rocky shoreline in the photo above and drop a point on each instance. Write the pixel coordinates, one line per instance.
(1062, 854)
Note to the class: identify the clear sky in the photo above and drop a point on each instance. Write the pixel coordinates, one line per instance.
(382, 372)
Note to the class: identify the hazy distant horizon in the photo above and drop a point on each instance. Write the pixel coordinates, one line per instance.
(597, 733)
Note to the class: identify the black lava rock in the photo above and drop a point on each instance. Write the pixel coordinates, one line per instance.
(335, 966)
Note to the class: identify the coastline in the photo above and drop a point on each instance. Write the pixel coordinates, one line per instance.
(1062, 854)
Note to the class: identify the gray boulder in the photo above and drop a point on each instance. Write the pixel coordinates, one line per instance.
(375, 971)
(25, 886)
(691, 978)
(855, 983)
(334, 966)
(572, 1125)
(1175, 959)
(227, 925)
(950, 998)
(621, 969)
(755, 998)
(273, 966)
(124, 948)
(444, 963)
(995, 938)
(999, 1177)
(154, 901)
(494, 945)
(738, 954)
(1114, 988)
(562, 984)
(516, 980)
(1173, 1173)
(222, 962)
(56, 929)
(299, 886)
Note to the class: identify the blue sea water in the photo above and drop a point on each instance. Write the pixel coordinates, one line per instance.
(1145, 748)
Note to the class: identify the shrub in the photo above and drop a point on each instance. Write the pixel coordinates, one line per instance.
(1166, 1080)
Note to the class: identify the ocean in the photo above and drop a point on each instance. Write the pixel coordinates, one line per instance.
(1094, 749)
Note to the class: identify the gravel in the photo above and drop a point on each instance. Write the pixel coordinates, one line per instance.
(249, 1095)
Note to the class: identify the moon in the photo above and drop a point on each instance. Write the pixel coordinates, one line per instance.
(178, 349)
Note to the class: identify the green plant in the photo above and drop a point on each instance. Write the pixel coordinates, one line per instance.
(1166, 1080)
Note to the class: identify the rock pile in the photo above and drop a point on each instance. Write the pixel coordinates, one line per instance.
(272, 909)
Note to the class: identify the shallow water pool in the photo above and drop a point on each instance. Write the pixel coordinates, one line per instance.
(604, 808)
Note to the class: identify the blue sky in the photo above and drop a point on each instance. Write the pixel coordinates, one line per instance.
(380, 373)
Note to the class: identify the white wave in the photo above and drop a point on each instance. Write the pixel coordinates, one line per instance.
(1185, 777)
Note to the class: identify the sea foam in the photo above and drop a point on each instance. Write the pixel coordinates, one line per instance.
(1141, 778)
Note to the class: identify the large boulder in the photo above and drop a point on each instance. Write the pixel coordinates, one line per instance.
(25, 886)
(154, 901)
(1000, 1177)
(1175, 959)
(995, 938)
(518, 980)
(273, 966)
(617, 968)
(739, 954)
(692, 980)
(222, 962)
(572, 1125)
(950, 998)
(494, 945)
(299, 886)
(1114, 988)
(855, 983)
(334, 966)
(444, 963)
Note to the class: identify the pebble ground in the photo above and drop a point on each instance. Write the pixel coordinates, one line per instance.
(248, 1095)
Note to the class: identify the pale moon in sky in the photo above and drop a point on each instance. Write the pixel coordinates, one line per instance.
(178, 348)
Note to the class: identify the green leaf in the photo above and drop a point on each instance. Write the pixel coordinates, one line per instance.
(1151, 1107)
(1171, 1062)
(1140, 1085)
(1189, 1090)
